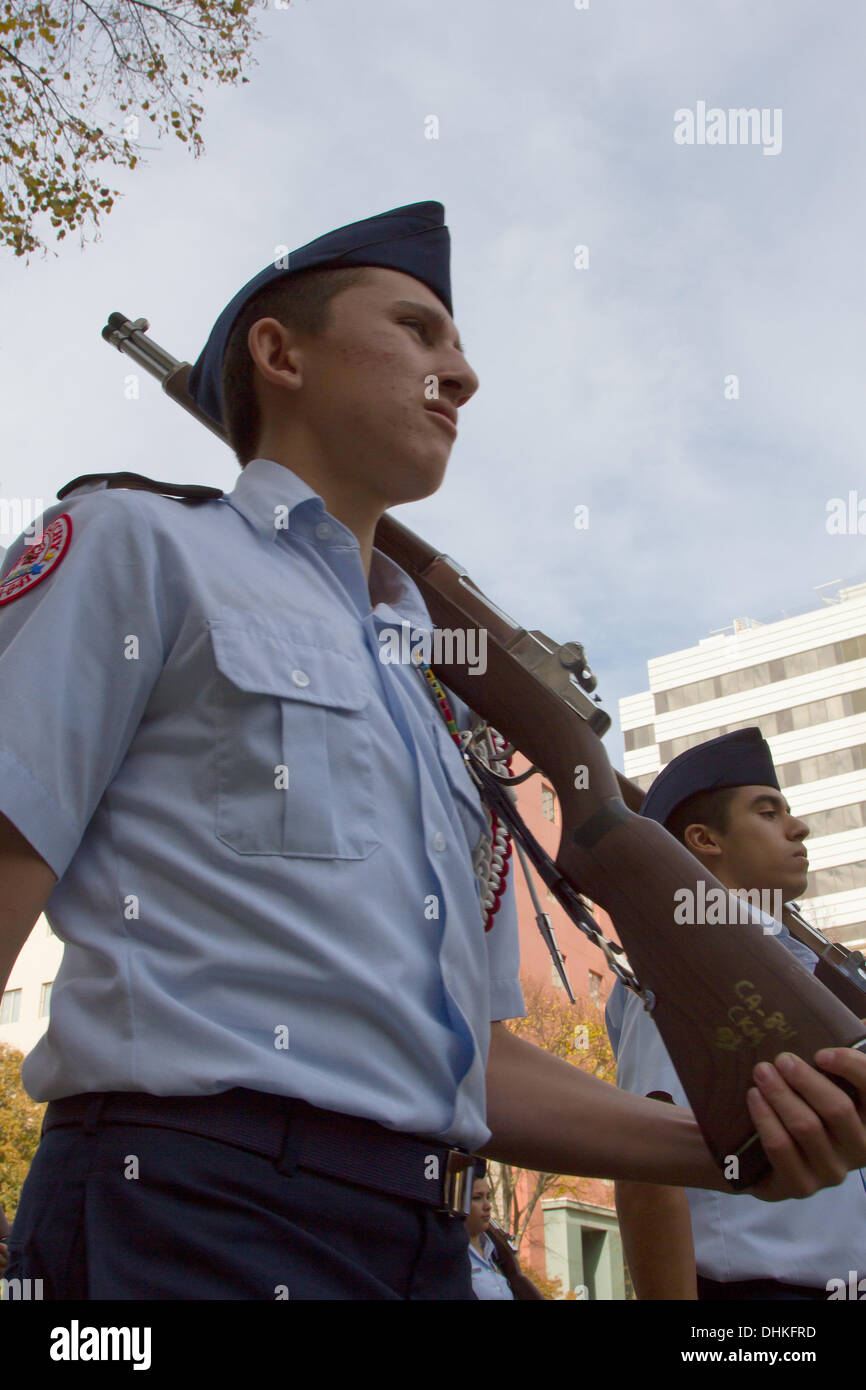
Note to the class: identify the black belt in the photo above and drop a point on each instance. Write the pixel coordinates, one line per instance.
(295, 1133)
(755, 1288)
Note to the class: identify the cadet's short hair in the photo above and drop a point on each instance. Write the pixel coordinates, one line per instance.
(301, 301)
(710, 808)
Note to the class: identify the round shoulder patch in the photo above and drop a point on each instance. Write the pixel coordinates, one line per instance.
(38, 560)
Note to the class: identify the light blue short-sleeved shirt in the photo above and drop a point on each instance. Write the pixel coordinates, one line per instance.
(802, 1241)
(488, 1280)
(263, 835)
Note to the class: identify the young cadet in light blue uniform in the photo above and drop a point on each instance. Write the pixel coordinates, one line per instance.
(264, 842)
(743, 1248)
(276, 973)
(253, 650)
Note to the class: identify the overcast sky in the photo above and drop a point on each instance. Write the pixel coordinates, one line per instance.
(602, 386)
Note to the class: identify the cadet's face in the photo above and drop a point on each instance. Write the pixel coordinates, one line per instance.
(364, 385)
(763, 844)
(479, 1213)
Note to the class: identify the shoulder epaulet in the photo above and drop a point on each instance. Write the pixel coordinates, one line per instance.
(178, 492)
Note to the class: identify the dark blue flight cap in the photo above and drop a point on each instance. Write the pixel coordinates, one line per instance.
(413, 239)
(740, 759)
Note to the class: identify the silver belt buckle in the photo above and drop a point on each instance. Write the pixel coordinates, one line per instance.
(459, 1178)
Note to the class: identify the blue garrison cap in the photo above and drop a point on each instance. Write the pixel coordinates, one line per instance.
(413, 239)
(740, 759)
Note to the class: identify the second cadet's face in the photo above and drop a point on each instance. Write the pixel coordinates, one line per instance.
(762, 846)
(367, 384)
(480, 1212)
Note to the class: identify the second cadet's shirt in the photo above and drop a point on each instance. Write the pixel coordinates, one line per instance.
(801, 1241)
(488, 1280)
(263, 834)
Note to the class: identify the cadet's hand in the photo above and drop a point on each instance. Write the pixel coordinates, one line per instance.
(811, 1131)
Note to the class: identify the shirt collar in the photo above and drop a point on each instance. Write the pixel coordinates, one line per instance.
(487, 1252)
(276, 501)
(268, 495)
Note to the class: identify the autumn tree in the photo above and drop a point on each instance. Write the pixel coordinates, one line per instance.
(576, 1033)
(20, 1127)
(79, 79)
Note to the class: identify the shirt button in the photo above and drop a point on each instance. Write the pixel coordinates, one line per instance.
(439, 841)
(323, 530)
(300, 678)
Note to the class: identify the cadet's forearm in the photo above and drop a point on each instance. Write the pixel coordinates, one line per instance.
(656, 1230)
(547, 1115)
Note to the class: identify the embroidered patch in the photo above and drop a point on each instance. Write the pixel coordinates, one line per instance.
(38, 560)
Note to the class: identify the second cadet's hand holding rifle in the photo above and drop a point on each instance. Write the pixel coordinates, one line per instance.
(547, 1115)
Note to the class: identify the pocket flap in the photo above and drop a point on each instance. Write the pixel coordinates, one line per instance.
(258, 661)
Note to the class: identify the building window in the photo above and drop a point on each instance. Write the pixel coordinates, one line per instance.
(853, 936)
(836, 820)
(763, 673)
(838, 878)
(833, 764)
(45, 1000)
(555, 973)
(10, 1006)
(548, 802)
(594, 986)
(639, 738)
(781, 721)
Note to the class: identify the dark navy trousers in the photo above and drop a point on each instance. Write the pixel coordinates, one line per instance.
(138, 1212)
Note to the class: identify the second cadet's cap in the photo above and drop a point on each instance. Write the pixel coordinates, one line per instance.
(740, 759)
(413, 239)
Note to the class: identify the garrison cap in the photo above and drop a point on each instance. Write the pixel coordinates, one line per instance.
(413, 239)
(740, 759)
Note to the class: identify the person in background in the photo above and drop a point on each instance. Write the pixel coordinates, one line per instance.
(496, 1273)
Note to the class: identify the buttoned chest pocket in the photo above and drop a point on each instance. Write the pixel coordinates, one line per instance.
(294, 770)
(465, 801)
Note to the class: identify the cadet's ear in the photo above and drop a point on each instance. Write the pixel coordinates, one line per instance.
(278, 362)
(701, 840)
(275, 352)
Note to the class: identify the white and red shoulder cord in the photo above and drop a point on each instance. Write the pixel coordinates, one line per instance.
(492, 856)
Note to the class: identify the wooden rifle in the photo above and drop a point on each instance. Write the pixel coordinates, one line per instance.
(723, 999)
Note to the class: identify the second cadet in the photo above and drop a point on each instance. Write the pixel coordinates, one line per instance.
(722, 800)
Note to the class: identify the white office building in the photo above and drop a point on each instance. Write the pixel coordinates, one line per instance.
(802, 681)
(26, 1002)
